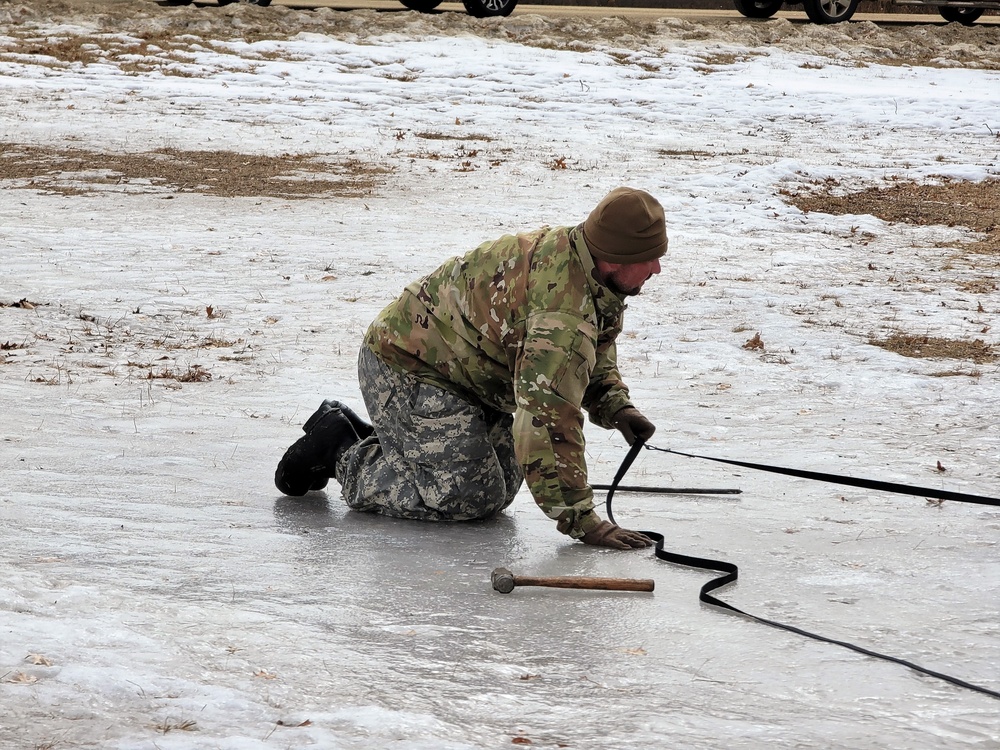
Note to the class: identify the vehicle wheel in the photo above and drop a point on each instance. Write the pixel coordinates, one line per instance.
(758, 8)
(830, 11)
(484, 8)
(422, 5)
(964, 16)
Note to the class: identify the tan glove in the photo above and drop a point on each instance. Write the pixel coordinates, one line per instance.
(614, 536)
(633, 425)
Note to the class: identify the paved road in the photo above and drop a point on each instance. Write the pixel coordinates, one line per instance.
(590, 11)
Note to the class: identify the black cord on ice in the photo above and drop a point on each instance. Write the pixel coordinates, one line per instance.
(732, 574)
(871, 484)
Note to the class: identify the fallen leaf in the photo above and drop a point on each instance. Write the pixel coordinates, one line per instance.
(264, 675)
(940, 467)
(520, 741)
(637, 651)
(755, 343)
(38, 660)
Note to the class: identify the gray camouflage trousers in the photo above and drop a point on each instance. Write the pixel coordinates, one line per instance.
(434, 455)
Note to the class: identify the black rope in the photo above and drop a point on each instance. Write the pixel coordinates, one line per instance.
(871, 484)
(732, 573)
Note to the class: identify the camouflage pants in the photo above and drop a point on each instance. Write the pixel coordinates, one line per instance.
(434, 456)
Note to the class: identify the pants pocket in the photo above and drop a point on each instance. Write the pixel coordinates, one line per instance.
(444, 429)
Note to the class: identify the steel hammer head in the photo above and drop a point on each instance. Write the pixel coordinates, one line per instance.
(503, 580)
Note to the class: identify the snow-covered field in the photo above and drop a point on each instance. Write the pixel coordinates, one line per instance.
(171, 315)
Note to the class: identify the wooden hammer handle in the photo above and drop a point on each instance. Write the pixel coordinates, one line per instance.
(586, 582)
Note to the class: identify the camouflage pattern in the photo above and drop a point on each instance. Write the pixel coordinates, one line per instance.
(434, 455)
(522, 326)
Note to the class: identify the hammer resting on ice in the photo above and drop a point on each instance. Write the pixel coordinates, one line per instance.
(504, 581)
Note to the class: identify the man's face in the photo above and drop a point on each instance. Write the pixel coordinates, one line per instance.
(628, 279)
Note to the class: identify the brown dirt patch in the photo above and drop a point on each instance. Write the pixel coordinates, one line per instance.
(220, 173)
(931, 347)
(975, 205)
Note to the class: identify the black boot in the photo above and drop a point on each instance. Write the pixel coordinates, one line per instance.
(311, 460)
(360, 425)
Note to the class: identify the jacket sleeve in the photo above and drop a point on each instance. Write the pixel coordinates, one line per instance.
(606, 394)
(552, 374)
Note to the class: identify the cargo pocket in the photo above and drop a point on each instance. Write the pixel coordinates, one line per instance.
(444, 429)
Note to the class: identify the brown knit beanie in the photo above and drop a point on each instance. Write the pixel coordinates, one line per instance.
(628, 226)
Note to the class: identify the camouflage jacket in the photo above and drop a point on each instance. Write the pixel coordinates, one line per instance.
(521, 325)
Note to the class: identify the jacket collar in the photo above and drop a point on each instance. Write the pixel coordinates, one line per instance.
(609, 304)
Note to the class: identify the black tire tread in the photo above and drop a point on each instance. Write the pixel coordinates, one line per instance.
(758, 8)
(964, 16)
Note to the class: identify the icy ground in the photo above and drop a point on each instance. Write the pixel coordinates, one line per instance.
(164, 337)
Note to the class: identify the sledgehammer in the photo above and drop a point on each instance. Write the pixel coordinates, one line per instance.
(504, 581)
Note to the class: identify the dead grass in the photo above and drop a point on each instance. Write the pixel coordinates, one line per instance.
(632, 58)
(979, 286)
(227, 174)
(975, 205)
(168, 725)
(451, 137)
(932, 347)
(143, 51)
(712, 61)
(134, 56)
(193, 374)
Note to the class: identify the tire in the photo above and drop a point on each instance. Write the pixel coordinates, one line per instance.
(424, 6)
(758, 8)
(964, 16)
(485, 8)
(830, 11)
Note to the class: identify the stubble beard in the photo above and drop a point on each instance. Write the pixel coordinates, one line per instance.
(621, 291)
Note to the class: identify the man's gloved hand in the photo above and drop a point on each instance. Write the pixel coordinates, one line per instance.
(614, 536)
(630, 423)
